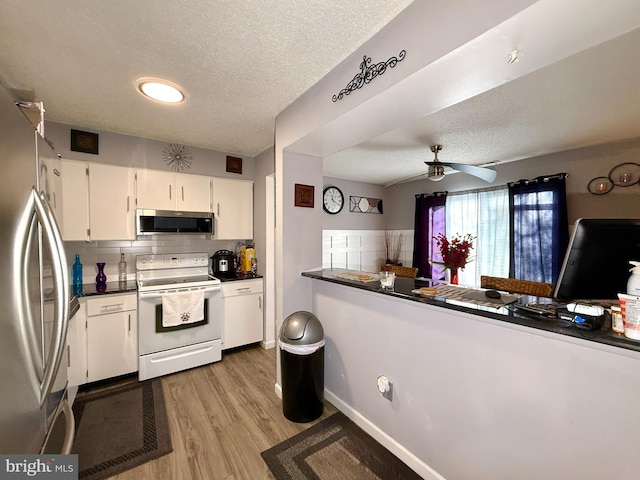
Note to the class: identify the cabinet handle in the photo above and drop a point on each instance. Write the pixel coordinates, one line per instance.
(218, 204)
(68, 356)
(129, 322)
(182, 192)
(115, 306)
(127, 203)
(169, 191)
(260, 303)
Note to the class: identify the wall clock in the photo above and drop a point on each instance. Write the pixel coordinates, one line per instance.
(177, 156)
(332, 200)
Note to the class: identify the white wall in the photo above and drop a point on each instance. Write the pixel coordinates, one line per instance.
(263, 218)
(476, 398)
(129, 151)
(348, 220)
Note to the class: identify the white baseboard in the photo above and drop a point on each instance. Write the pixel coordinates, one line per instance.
(268, 345)
(417, 465)
(278, 390)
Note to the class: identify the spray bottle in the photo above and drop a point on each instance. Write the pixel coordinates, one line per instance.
(633, 284)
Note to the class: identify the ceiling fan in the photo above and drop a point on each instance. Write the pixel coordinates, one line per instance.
(436, 168)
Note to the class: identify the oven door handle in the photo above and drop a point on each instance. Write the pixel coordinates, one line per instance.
(159, 293)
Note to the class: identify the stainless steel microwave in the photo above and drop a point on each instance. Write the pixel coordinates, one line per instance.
(162, 222)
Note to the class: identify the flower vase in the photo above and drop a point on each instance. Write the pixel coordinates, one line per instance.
(101, 278)
(453, 276)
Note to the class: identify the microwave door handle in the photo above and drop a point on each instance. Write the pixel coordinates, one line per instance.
(61, 286)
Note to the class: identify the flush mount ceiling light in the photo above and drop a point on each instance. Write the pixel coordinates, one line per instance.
(160, 90)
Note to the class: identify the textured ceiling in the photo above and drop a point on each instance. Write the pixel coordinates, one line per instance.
(590, 98)
(240, 62)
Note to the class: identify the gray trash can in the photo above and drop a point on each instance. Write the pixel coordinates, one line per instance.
(301, 344)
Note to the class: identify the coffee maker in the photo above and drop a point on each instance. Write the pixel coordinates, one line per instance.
(223, 264)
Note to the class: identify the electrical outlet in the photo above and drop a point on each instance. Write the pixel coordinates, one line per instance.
(385, 387)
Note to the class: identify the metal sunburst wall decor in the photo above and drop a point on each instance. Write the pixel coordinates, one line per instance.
(177, 156)
(367, 73)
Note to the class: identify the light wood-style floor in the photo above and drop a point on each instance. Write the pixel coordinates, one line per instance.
(221, 417)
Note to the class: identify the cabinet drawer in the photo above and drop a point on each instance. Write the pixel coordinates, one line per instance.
(111, 304)
(242, 287)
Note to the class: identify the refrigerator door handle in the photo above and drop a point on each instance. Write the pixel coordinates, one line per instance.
(70, 431)
(37, 209)
(61, 281)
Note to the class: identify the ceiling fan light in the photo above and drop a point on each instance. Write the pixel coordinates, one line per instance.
(435, 173)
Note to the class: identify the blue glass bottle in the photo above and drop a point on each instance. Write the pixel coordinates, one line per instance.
(77, 276)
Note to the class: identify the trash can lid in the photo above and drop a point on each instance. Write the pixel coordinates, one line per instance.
(301, 328)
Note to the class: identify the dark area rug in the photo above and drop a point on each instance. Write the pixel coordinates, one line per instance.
(335, 449)
(119, 426)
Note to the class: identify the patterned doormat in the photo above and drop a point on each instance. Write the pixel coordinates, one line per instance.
(335, 449)
(119, 427)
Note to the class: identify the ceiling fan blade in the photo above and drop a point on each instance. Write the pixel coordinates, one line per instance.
(486, 174)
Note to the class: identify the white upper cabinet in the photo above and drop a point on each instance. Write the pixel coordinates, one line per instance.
(158, 190)
(75, 200)
(111, 202)
(232, 209)
(98, 201)
(193, 192)
(50, 178)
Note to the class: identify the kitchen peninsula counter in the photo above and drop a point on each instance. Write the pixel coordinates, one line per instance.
(504, 313)
(477, 392)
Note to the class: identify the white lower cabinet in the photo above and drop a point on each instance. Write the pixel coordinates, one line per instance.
(242, 321)
(112, 336)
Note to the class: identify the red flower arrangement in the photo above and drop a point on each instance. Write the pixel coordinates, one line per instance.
(455, 252)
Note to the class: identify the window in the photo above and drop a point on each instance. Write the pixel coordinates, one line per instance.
(539, 228)
(484, 215)
(521, 230)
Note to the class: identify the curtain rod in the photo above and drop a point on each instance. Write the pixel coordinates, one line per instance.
(542, 178)
(434, 194)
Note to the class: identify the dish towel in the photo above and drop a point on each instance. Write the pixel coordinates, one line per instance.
(181, 308)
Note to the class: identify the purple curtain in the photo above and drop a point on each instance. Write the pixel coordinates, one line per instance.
(429, 221)
(539, 228)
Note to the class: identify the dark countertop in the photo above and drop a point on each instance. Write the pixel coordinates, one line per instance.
(239, 277)
(89, 289)
(403, 286)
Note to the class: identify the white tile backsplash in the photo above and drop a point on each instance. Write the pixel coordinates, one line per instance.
(109, 252)
(361, 249)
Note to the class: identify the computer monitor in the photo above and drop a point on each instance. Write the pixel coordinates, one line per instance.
(596, 265)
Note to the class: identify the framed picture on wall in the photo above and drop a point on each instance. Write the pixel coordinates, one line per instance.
(85, 142)
(234, 164)
(303, 195)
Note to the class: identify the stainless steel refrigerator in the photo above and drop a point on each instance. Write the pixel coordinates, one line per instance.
(34, 295)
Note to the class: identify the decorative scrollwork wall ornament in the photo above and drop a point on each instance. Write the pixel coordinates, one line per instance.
(177, 156)
(367, 73)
